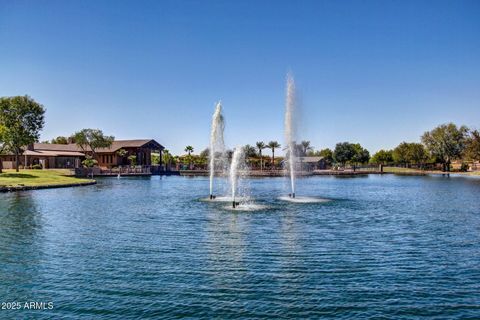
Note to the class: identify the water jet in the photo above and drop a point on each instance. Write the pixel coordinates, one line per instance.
(217, 144)
(237, 160)
(290, 131)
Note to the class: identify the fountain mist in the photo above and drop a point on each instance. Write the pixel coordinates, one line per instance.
(237, 161)
(217, 144)
(290, 131)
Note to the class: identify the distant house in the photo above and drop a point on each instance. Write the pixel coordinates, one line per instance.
(312, 163)
(309, 163)
(50, 155)
(458, 165)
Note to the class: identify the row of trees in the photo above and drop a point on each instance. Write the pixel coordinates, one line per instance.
(344, 153)
(442, 145)
(22, 119)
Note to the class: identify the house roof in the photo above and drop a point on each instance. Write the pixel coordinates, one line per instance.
(119, 144)
(47, 153)
(56, 147)
(306, 159)
(310, 159)
(116, 145)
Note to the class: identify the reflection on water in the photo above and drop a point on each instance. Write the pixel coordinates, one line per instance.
(384, 246)
(21, 245)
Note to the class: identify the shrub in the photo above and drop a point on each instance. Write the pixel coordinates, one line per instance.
(133, 160)
(89, 162)
(37, 167)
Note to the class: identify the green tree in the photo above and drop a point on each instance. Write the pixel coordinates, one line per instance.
(90, 140)
(189, 150)
(121, 153)
(305, 147)
(155, 158)
(260, 146)
(344, 152)
(3, 145)
(89, 162)
(361, 154)
(250, 151)
(327, 155)
(382, 157)
(446, 143)
(273, 145)
(417, 153)
(401, 154)
(23, 119)
(473, 145)
(133, 160)
(60, 140)
(409, 153)
(167, 158)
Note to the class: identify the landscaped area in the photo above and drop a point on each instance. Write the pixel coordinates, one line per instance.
(38, 178)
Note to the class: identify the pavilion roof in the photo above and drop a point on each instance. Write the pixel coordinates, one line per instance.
(116, 145)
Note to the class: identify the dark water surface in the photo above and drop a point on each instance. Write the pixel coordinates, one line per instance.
(385, 246)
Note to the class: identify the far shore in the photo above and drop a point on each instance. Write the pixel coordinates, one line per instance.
(348, 172)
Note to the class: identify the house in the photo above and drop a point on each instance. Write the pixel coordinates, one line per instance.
(312, 163)
(308, 163)
(50, 155)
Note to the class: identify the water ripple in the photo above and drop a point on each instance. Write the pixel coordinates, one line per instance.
(147, 248)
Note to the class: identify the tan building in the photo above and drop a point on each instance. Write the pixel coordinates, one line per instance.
(51, 156)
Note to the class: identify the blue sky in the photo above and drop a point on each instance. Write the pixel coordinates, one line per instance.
(373, 72)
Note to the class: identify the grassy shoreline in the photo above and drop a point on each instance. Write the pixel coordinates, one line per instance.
(28, 179)
(399, 170)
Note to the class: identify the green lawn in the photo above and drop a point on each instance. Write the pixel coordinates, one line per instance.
(413, 171)
(400, 170)
(37, 178)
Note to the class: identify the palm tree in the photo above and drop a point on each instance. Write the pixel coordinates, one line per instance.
(273, 145)
(167, 158)
(189, 149)
(260, 146)
(306, 146)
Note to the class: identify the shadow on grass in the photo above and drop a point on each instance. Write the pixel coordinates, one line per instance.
(18, 175)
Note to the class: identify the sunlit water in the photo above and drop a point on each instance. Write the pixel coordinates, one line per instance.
(383, 246)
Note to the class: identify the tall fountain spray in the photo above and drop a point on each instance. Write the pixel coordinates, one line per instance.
(217, 144)
(238, 158)
(290, 131)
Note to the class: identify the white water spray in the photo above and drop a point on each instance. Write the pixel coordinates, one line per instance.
(290, 131)
(217, 144)
(237, 160)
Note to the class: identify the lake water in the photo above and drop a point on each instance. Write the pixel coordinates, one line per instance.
(384, 246)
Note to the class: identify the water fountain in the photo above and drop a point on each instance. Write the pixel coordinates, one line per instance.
(290, 127)
(290, 131)
(238, 158)
(217, 144)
